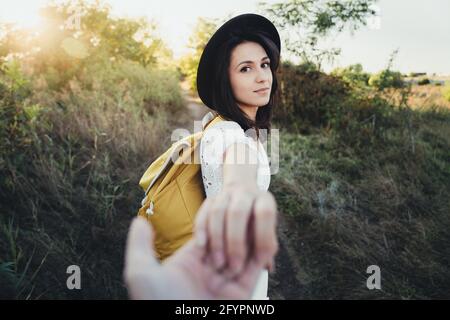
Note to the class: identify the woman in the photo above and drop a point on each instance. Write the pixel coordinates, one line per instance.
(236, 78)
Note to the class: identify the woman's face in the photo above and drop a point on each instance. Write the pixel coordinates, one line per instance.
(249, 71)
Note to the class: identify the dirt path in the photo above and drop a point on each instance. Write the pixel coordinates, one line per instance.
(195, 106)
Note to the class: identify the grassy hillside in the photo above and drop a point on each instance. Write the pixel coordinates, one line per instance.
(363, 181)
(70, 163)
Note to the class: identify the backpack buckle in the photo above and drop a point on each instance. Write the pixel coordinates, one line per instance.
(149, 211)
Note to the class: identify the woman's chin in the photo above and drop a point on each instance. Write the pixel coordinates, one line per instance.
(263, 101)
(256, 103)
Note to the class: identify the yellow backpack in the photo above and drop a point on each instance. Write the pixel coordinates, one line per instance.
(174, 192)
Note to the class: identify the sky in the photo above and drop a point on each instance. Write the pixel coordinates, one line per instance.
(419, 29)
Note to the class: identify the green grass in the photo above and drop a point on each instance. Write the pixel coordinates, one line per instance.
(349, 205)
(69, 178)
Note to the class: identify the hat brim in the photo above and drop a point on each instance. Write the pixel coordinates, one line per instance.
(248, 21)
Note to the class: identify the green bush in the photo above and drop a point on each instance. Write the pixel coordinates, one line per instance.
(307, 98)
(416, 74)
(423, 82)
(135, 86)
(386, 79)
(17, 113)
(353, 74)
(311, 100)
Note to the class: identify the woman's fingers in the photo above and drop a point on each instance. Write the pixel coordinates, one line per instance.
(201, 224)
(209, 228)
(236, 220)
(265, 219)
(216, 229)
(223, 228)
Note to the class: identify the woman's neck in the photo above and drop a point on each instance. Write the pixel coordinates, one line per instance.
(250, 111)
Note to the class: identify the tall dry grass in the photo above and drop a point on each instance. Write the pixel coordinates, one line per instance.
(70, 166)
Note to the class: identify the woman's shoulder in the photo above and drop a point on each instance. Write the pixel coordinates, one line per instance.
(226, 130)
(224, 125)
(224, 133)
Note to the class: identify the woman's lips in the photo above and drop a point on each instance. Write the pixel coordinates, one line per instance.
(263, 91)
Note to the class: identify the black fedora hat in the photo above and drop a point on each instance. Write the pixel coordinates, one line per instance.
(246, 23)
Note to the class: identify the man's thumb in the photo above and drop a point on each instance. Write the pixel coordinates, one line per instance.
(139, 249)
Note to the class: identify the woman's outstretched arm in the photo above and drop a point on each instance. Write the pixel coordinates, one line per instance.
(242, 218)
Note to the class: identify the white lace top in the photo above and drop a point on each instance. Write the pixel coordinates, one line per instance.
(216, 139)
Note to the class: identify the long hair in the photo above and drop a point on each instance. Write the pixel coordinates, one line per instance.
(222, 96)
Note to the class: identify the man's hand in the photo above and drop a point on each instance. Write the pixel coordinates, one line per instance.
(184, 275)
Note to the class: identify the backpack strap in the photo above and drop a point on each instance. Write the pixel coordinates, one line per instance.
(175, 149)
(209, 119)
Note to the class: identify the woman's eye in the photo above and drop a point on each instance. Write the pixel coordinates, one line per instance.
(265, 63)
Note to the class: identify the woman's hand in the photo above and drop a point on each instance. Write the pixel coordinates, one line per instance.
(237, 224)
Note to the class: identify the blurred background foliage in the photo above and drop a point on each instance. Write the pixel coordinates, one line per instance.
(364, 158)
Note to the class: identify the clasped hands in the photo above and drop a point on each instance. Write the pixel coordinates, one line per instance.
(234, 240)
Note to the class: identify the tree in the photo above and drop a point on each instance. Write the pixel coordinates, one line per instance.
(203, 31)
(78, 33)
(305, 22)
(131, 39)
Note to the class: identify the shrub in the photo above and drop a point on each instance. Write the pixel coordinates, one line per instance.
(423, 82)
(307, 98)
(353, 74)
(135, 86)
(386, 79)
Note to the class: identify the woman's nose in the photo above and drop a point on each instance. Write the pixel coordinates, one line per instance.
(262, 75)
